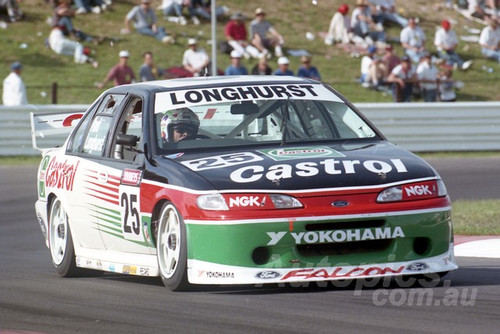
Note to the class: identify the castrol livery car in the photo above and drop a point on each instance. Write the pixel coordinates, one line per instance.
(236, 180)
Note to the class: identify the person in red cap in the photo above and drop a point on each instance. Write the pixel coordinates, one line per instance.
(446, 43)
(340, 27)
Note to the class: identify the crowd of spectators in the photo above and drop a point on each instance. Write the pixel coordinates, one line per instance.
(416, 71)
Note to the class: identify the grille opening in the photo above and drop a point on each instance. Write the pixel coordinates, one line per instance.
(344, 248)
(260, 255)
(421, 245)
(345, 225)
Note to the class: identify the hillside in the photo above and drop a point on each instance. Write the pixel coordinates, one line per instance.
(24, 41)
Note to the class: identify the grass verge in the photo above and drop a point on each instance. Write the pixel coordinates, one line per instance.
(20, 160)
(476, 217)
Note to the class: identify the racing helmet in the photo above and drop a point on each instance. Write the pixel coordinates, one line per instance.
(182, 120)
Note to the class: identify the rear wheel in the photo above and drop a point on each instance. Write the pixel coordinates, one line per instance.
(61, 242)
(171, 248)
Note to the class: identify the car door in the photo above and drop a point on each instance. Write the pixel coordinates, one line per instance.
(123, 228)
(84, 152)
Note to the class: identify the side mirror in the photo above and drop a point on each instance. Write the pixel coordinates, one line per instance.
(126, 140)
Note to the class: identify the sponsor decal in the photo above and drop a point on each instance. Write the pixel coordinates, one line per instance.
(301, 153)
(132, 270)
(245, 202)
(216, 274)
(420, 190)
(68, 121)
(417, 266)
(315, 237)
(254, 173)
(60, 175)
(131, 177)
(220, 94)
(221, 161)
(339, 272)
(143, 271)
(267, 274)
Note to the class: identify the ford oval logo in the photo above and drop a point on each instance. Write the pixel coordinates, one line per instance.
(340, 204)
(268, 274)
(417, 266)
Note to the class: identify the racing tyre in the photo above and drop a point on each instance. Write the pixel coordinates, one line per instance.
(61, 242)
(171, 248)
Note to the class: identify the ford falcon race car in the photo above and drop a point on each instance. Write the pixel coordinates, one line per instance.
(236, 180)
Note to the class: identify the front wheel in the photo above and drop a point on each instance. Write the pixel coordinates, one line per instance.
(171, 248)
(61, 242)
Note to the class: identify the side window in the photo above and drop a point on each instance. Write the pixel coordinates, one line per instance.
(100, 127)
(130, 125)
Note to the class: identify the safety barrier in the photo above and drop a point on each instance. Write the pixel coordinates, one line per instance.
(419, 127)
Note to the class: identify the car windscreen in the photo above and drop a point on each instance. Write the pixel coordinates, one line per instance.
(281, 120)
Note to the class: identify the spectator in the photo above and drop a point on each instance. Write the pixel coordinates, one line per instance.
(195, 60)
(14, 92)
(490, 40)
(447, 86)
(87, 6)
(390, 59)
(446, 42)
(264, 36)
(413, 40)
(148, 70)
(62, 18)
(402, 79)
(385, 10)
(482, 9)
(377, 73)
(12, 9)
(172, 10)
(121, 73)
(144, 20)
(236, 68)
(262, 67)
(203, 8)
(283, 64)
(363, 25)
(340, 27)
(306, 70)
(64, 46)
(427, 75)
(236, 35)
(366, 62)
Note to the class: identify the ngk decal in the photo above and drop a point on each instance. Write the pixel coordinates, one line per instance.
(314, 237)
(420, 190)
(252, 201)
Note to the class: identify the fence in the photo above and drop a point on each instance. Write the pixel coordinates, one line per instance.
(419, 127)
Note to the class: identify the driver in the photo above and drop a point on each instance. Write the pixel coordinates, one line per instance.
(179, 124)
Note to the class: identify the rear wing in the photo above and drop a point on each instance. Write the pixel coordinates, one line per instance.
(51, 130)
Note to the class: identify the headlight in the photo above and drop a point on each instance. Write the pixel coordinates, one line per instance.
(413, 191)
(212, 202)
(285, 201)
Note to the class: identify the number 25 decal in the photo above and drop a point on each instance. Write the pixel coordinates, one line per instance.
(131, 219)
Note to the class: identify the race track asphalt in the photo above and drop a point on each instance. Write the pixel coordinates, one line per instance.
(34, 299)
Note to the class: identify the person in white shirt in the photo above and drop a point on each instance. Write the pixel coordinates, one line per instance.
(363, 25)
(14, 92)
(446, 42)
(402, 79)
(195, 60)
(427, 75)
(413, 40)
(366, 61)
(490, 40)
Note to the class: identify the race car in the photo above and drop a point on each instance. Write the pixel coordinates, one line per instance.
(236, 180)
